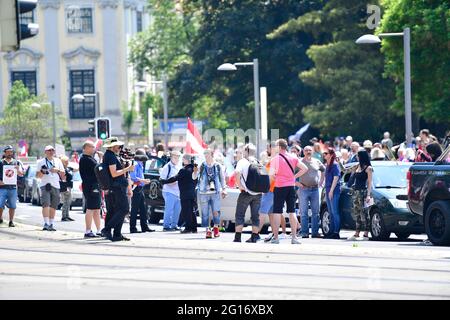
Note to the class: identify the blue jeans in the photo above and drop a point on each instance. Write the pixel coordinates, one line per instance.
(172, 209)
(9, 197)
(208, 201)
(333, 209)
(309, 197)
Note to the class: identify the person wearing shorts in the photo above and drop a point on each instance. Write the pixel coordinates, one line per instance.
(282, 171)
(91, 190)
(51, 171)
(8, 192)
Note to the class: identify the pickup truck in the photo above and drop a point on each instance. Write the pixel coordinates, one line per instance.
(429, 195)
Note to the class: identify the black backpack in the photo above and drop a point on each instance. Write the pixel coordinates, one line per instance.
(258, 179)
(103, 176)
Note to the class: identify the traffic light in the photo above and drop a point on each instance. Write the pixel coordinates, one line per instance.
(91, 129)
(13, 28)
(102, 128)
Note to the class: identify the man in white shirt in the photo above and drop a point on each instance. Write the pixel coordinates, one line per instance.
(171, 193)
(246, 197)
(50, 170)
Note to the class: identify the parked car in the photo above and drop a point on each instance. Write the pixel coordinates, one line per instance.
(389, 214)
(24, 187)
(429, 196)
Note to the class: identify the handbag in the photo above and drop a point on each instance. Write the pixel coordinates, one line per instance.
(370, 203)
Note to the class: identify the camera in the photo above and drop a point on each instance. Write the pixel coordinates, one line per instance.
(193, 162)
(212, 186)
(44, 169)
(126, 157)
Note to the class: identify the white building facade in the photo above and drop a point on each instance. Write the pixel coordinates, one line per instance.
(81, 48)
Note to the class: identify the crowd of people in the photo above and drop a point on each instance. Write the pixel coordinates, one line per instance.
(268, 184)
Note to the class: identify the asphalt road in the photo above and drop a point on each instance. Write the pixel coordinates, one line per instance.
(62, 265)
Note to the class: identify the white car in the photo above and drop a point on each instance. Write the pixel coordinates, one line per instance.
(228, 211)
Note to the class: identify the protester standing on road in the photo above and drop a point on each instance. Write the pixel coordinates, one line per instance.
(91, 190)
(282, 169)
(186, 178)
(117, 195)
(138, 200)
(65, 189)
(434, 150)
(308, 193)
(171, 193)
(51, 171)
(247, 197)
(333, 192)
(211, 187)
(362, 190)
(8, 192)
(387, 140)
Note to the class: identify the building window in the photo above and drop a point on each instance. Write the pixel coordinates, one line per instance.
(82, 82)
(28, 78)
(27, 17)
(79, 20)
(139, 21)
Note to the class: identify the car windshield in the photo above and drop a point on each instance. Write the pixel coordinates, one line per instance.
(390, 176)
(32, 172)
(76, 176)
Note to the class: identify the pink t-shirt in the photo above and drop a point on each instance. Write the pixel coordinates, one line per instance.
(283, 174)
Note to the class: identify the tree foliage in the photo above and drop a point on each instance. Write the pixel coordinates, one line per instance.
(235, 31)
(23, 121)
(349, 94)
(165, 44)
(429, 22)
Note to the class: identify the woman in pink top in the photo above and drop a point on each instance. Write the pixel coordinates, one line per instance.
(282, 169)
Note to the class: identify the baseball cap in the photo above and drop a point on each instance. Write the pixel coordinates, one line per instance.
(8, 148)
(48, 148)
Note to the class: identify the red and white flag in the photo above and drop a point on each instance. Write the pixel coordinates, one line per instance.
(194, 141)
(23, 152)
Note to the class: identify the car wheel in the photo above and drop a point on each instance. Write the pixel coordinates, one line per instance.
(155, 217)
(230, 226)
(437, 223)
(325, 218)
(377, 227)
(402, 235)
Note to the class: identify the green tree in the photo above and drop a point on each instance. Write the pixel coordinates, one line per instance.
(349, 94)
(150, 101)
(232, 31)
(23, 121)
(165, 44)
(429, 22)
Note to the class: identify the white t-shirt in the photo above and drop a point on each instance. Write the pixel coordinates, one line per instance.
(52, 178)
(242, 167)
(170, 187)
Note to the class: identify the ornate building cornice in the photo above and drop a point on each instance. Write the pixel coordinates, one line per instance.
(91, 53)
(35, 55)
(113, 4)
(130, 4)
(49, 4)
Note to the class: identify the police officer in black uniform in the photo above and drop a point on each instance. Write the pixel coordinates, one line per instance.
(117, 196)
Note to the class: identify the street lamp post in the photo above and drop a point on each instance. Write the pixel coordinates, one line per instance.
(406, 34)
(255, 64)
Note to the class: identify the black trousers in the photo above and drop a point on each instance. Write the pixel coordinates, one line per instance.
(188, 215)
(117, 207)
(138, 207)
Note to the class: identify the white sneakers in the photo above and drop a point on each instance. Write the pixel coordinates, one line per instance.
(353, 238)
